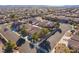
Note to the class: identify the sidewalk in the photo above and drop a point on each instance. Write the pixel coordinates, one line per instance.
(16, 33)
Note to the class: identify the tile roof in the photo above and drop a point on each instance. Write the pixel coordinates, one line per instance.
(31, 29)
(9, 35)
(74, 42)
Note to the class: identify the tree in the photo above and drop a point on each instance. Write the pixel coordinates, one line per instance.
(12, 25)
(35, 37)
(55, 19)
(23, 31)
(39, 34)
(44, 31)
(61, 48)
(9, 46)
(57, 25)
(76, 26)
(13, 16)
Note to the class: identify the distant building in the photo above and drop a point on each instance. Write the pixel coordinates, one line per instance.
(74, 42)
(38, 21)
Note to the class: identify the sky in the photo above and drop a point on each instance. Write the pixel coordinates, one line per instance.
(39, 2)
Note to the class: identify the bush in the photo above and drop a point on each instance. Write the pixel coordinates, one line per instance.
(9, 46)
(35, 37)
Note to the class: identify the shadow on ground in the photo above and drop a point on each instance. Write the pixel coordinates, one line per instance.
(20, 42)
(44, 47)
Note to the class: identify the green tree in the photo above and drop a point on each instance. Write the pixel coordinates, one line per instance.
(62, 48)
(23, 31)
(39, 34)
(57, 25)
(35, 37)
(44, 31)
(9, 46)
(12, 16)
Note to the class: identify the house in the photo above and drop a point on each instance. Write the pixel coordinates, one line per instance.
(74, 42)
(2, 21)
(8, 35)
(38, 21)
(31, 29)
(46, 24)
(1, 44)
